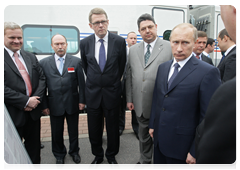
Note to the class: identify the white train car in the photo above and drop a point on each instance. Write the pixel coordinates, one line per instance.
(41, 22)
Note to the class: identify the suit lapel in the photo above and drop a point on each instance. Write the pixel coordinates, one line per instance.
(140, 53)
(189, 67)
(111, 42)
(155, 52)
(67, 62)
(52, 63)
(10, 62)
(27, 63)
(165, 78)
(91, 45)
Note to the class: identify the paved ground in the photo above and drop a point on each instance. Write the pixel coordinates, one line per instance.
(128, 151)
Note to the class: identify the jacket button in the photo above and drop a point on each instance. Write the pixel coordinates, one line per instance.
(163, 109)
(166, 95)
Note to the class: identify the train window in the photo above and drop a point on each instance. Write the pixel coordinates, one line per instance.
(37, 38)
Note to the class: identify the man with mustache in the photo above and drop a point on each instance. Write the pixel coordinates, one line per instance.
(66, 96)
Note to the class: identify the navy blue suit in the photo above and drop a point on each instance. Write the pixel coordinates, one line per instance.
(177, 111)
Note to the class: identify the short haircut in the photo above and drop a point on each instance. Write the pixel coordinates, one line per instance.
(96, 11)
(130, 33)
(202, 34)
(223, 33)
(11, 25)
(185, 25)
(61, 35)
(210, 41)
(145, 17)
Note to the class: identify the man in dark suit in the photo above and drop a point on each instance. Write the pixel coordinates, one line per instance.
(200, 46)
(181, 95)
(24, 87)
(227, 65)
(216, 135)
(103, 57)
(66, 96)
(210, 46)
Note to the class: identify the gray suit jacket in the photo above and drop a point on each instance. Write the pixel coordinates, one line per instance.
(140, 79)
(65, 91)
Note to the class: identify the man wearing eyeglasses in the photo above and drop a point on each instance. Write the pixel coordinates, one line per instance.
(103, 58)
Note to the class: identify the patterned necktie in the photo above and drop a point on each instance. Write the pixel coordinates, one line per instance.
(197, 57)
(60, 67)
(147, 55)
(176, 65)
(24, 73)
(102, 56)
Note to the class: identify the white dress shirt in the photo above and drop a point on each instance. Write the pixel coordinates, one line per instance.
(58, 61)
(181, 64)
(152, 46)
(98, 44)
(200, 56)
(23, 62)
(229, 49)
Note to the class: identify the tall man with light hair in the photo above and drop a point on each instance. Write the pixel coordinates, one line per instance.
(24, 87)
(103, 57)
(181, 95)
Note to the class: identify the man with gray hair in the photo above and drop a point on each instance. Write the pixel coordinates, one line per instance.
(182, 91)
(24, 87)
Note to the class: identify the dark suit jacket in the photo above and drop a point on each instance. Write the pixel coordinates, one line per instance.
(15, 97)
(104, 85)
(227, 66)
(176, 112)
(206, 59)
(65, 91)
(216, 135)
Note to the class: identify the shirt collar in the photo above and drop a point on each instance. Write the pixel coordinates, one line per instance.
(57, 57)
(105, 38)
(229, 49)
(152, 43)
(181, 63)
(10, 52)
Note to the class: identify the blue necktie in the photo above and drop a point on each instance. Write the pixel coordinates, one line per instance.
(176, 65)
(60, 68)
(102, 56)
(223, 56)
(147, 55)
